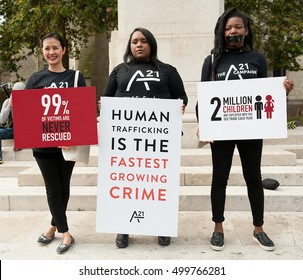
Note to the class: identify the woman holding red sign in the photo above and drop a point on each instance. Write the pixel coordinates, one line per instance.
(55, 170)
(233, 58)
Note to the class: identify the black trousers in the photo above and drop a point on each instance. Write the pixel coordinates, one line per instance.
(250, 152)
(57, 174)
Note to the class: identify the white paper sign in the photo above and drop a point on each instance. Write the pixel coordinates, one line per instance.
(242, 109)
(139, 166)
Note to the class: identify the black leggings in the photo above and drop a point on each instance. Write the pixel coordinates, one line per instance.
(57, 174)
(250, 152)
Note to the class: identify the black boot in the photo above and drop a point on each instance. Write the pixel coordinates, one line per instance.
(122, 240)
(164, 240)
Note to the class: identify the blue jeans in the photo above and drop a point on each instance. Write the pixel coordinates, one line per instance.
(5, 133)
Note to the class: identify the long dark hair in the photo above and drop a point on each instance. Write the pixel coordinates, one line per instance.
(128, 57)
(219, 41)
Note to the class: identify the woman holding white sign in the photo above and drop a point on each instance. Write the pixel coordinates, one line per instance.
(232, 58)
(56, 171)
(143, 75)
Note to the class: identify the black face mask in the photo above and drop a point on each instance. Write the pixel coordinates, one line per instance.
(234, 38)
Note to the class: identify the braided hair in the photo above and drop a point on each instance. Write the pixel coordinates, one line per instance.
(220, 42)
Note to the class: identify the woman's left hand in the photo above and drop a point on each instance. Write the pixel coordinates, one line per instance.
(10, 101)
(288, 85)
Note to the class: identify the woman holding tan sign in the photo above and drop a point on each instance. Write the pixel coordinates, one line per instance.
(56, 171)
(233, 58)
(143, 75)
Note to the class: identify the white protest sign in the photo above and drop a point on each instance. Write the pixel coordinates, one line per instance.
(242, 109)
(139, 166)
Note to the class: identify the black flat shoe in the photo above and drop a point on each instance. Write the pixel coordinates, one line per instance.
(63, 248)
(43, 240)
(164, 240)
(122, 240)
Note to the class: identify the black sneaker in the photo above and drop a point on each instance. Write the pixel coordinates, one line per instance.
(1, 160)
(217, 241)
(264, 241)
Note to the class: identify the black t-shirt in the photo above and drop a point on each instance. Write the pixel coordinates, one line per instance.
(144, 81)
(235, 65)
(46, 78)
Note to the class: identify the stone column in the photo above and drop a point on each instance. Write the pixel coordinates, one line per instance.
(184, 31)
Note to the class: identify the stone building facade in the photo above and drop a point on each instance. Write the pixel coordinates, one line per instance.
(184, 32)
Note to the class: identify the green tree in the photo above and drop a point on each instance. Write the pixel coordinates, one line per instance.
(278, 30)
(25, 22)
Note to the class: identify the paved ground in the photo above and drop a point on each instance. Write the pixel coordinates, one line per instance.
(20, 230)
(22, 257)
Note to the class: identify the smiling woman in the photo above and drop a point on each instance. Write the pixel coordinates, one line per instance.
(55, 170)
(53, 51)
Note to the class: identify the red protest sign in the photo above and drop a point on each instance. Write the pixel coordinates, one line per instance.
(55, 117)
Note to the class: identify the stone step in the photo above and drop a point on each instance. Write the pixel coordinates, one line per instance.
(271, 155)
(22, 187)
(286, 175)
(7, 143)
(190, 140)
(12, 168)
(294, 148)
(82, 176)
(277, 155)
(284, 198)
(10, 155)
(189, 176)
(295, 137)
(192, 198)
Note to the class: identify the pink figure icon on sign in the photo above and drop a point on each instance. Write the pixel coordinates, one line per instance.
(269, 106)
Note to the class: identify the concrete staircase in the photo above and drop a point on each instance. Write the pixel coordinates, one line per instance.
(22, 188)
